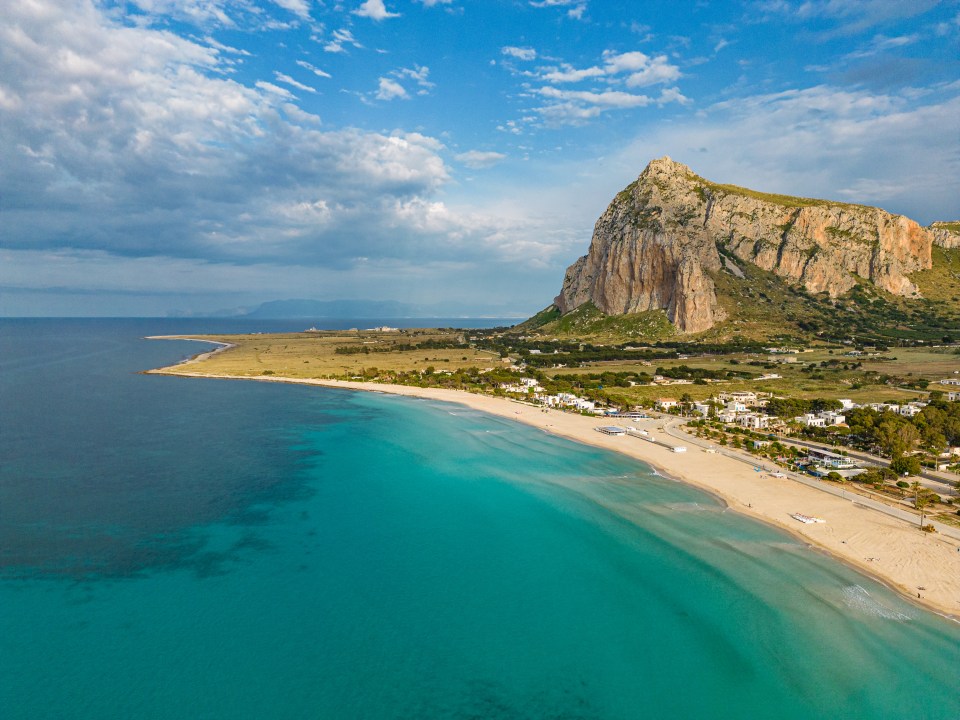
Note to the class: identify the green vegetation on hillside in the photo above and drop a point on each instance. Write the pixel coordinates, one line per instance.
(588, 322)
(783, 200)
(941, 284)
(761, 305)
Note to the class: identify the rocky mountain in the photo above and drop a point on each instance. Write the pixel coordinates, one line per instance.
(664, 239)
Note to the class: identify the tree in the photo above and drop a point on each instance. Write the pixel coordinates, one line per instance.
(921, 499)
(897, 436)
(906, 465)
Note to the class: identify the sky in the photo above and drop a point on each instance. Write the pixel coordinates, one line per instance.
(163, 156)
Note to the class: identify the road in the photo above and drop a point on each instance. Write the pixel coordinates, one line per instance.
(937, 482)
(670, 427)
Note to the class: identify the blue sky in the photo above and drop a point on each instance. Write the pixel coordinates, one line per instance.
(162, 155)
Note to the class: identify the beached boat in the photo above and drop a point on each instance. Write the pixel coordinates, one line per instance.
(806, 519)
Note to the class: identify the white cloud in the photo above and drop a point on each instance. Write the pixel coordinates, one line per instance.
(641, 70)
(625, 70)
(877, 149)
(433, 3)
(297, 7)
(315, 70)
(339, 39)
(521, 53)
(275, 90)
(197, 12)
(569, 74)
(658, 71)
(479, 159)
(576, 8)
(849, 16)
(880, 44)
(375, 10)
(287, 80)
(391, 90)
(120, 143)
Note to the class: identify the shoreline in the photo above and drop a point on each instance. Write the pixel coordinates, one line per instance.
(922, 567)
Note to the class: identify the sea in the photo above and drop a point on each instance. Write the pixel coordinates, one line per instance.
(200, 548)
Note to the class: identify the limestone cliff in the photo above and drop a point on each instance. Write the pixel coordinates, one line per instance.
(662, 238)
(946, 234)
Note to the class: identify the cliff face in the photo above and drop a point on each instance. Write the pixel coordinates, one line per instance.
(946, 234)
(659, 241)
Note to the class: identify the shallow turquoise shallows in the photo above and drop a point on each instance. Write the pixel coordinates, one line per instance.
(178, 548)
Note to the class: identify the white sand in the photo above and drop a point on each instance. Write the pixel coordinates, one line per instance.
(892, 550)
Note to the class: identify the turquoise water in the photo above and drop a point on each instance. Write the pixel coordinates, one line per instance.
(212, 549)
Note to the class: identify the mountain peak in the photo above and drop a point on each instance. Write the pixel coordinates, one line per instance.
(665, 237)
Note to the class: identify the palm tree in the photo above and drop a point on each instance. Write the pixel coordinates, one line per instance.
(920, 499)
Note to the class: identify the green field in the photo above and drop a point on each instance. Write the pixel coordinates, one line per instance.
(314, 354)
(818, 372)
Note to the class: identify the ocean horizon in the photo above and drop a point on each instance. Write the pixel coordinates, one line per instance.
(174, 547)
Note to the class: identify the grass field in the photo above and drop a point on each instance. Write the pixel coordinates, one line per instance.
(314, 355)
(369, 353)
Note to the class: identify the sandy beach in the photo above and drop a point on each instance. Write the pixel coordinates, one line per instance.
(924, 567)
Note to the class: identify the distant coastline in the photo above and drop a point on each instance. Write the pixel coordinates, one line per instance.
(922, 567)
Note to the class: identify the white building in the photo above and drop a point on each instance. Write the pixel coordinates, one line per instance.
(741, 396)
(753, 421)
(811, 420)
(830, 459)
(911, 409)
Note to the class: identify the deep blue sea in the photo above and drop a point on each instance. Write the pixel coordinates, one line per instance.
(188, 548)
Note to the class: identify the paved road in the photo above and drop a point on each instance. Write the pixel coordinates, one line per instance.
(670, 425)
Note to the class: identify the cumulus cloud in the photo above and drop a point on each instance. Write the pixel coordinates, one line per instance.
(635, 69)
(128, 154)
(375, 10)
(127, 141)
(391, 90)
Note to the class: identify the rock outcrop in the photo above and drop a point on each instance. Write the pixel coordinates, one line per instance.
(662, 239)
(946, 234)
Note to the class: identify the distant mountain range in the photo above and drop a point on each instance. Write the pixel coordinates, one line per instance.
(348, 309)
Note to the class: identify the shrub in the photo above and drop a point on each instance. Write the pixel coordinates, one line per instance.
(902, 484)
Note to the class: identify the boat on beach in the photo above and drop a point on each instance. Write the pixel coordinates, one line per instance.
(806, 519)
